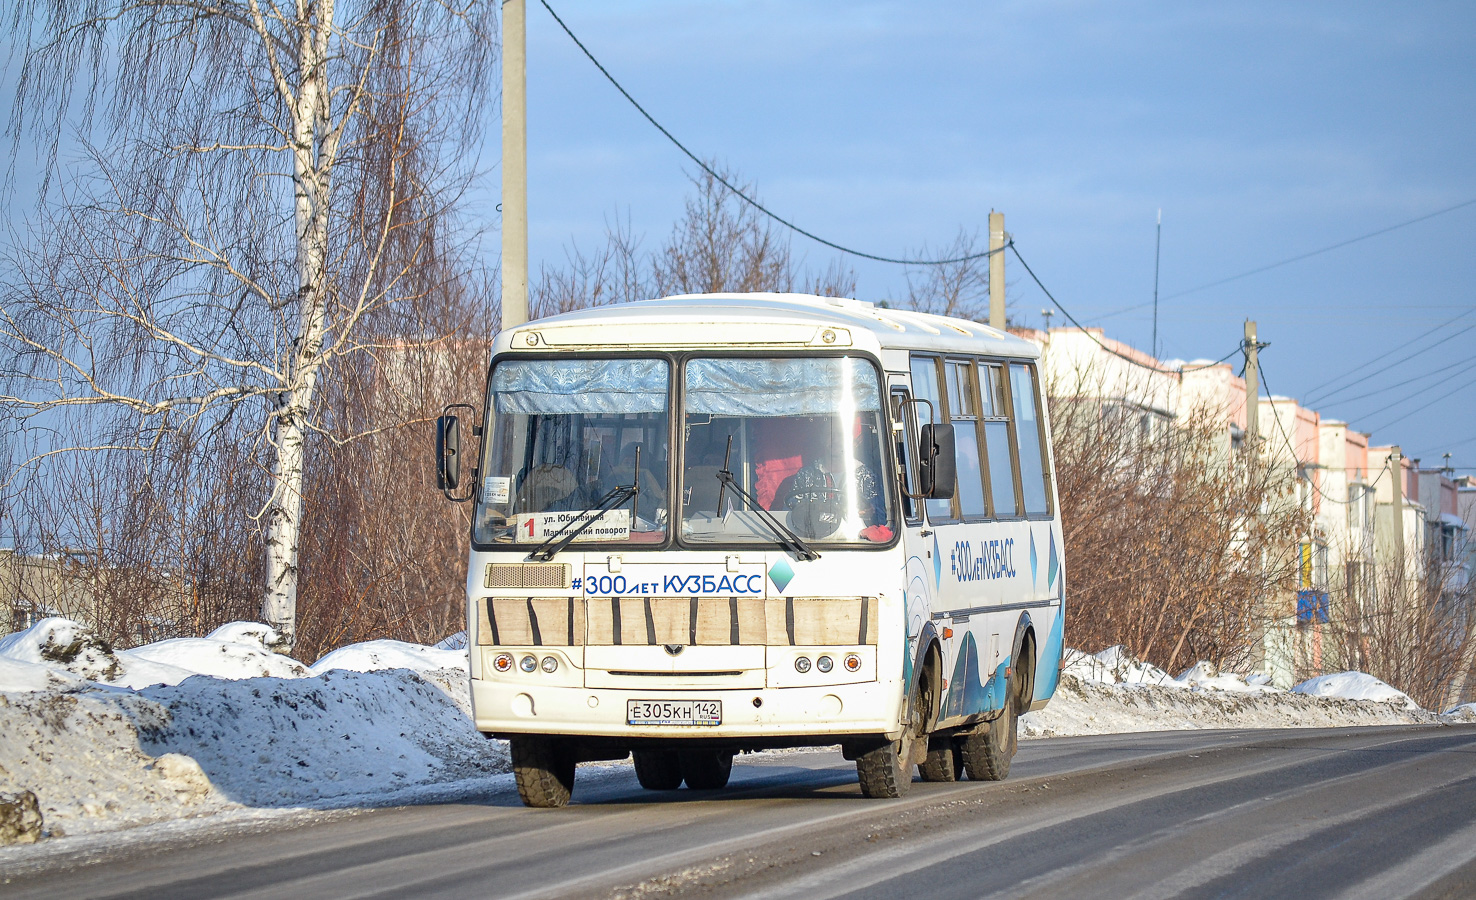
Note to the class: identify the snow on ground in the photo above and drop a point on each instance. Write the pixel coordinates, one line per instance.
(1354, 686)
(1111, 692)
(222, 727)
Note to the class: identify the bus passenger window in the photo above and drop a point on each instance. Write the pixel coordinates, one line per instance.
(925, 387)
(963, 408)
(996, 414)
(1027, 432)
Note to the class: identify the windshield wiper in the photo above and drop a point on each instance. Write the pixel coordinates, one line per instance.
(787, 537)
(577, 526)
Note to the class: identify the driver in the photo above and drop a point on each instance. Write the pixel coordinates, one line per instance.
(814, 498)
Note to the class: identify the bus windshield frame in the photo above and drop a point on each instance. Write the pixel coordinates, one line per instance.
(516, 508)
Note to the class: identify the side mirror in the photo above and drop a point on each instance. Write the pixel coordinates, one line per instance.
(448, 453)
(937, 466)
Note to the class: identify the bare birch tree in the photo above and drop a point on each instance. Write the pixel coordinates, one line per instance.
(268, 176)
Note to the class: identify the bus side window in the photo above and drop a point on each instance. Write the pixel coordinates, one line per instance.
(925, 387)
(1033, 483)
(997, 445)
(905, 438)
(963, 408)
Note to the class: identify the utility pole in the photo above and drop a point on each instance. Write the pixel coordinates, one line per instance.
(996, 271)
(514, 165)
(1252, 386)
(1396, 469)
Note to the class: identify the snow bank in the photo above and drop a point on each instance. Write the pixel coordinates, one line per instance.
(1354, 686)
(1113, 692)
(371, 656)
(294, 742)
(191, 726)
(1093, 707)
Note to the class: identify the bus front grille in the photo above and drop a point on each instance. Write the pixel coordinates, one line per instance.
(528, 575)
(690, 621)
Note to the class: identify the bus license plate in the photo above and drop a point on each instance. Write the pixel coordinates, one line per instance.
(674, 712)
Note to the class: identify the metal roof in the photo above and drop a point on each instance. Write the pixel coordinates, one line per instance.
(892, 328)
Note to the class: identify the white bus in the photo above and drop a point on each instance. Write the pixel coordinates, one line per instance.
(720, 523)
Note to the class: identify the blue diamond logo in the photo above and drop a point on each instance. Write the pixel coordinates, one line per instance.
(781, 573)
(937, 564)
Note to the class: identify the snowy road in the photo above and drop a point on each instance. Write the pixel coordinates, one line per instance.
(1360, 812)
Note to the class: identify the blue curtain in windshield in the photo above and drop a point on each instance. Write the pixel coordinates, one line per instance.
(566, 386)
(779, 387)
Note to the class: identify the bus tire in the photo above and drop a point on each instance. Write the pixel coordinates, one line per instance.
(658, 770)
(885, 771)
(706, 770)
(544, 771)
(987, 752)
(944, 761)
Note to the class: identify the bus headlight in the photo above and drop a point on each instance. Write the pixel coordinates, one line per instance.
(824, 664)
(528, 663)
(502, 662)
(802, 665)
(853, 662)
(550, 664)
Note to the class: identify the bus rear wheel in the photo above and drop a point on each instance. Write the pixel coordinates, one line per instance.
(987, 752)
(658, 770)
(544, 771)
(706, 770)
(944, 761)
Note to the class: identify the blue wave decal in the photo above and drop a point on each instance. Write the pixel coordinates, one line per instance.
(1034, 572)
(966, 694)
(1046, 667)
(1054, 566)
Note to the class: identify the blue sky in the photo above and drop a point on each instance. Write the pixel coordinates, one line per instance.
(1262, 130)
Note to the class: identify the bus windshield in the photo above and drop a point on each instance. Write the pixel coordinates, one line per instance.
(564, 434)
(802, 437)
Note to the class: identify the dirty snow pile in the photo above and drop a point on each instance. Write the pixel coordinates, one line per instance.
(1113, 692)
(108, 738)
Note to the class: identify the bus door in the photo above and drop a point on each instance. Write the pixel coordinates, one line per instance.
(920, 582)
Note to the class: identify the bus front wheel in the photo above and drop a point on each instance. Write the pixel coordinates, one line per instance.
(706, 770)
(544, 771)
(658, 770)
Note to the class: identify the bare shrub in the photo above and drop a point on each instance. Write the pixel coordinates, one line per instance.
(1178, 546)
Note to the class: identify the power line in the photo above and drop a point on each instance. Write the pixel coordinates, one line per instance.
(1067, 313)
(1421, 407)
(739, 193)
(1301, 256)
(1468, 363)
(1292, 259)
(1390, 352)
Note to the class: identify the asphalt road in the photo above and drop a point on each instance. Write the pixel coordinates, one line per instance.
(1353, 812)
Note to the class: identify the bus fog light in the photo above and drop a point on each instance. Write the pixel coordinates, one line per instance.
(502, 662)
(528, 663)
(824, 664)
(550, 664)
(802, 664)
(853, 662)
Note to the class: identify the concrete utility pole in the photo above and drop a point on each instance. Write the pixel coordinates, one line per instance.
(1252, 386)
(1396, 469)
(996, 271)
(514, 166)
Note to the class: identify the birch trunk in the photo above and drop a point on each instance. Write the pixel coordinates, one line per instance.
(313, 155)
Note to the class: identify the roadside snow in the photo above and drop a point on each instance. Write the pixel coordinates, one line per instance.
(1354, 686)
(190, 727)
(1112, 692)
(373, 655)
